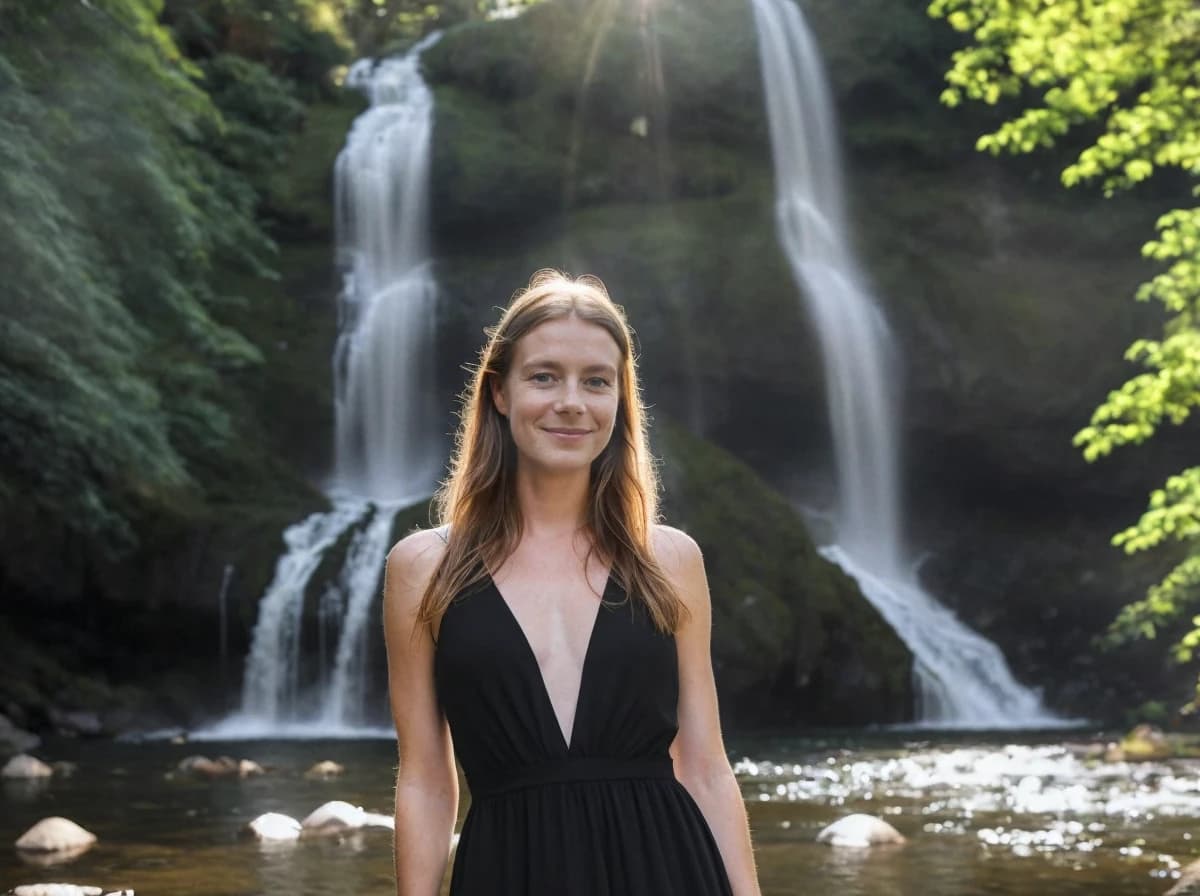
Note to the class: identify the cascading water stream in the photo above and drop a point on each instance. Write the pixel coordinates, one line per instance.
(382, 362)
(962, 679)
(345, 694)
(270, 690)
(387, 452)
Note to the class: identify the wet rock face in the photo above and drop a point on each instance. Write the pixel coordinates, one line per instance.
(14, 740)
(76, 722)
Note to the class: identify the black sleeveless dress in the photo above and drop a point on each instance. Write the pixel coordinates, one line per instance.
(601, 816)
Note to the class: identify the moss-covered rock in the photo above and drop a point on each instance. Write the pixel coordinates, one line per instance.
(794, 640)
(300, 198)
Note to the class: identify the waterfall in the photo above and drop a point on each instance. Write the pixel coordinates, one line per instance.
(345, 694)
(382, 363)
(271, 688)
(962, 679)
(387, 453)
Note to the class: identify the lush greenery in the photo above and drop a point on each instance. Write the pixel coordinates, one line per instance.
(119, 200)
(140, 149)
(1123, 77)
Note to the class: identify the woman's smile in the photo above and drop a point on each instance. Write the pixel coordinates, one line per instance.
(564, 433)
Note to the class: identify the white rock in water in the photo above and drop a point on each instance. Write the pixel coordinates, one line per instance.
(377, 820)
(64, 890)
(55, 834)
(274, 826)
(859, 830)
(333, 817)
(248, 767)
(220, 767)
(326, 768)
(25, 766)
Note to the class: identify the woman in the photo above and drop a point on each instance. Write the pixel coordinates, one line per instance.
(561, 635)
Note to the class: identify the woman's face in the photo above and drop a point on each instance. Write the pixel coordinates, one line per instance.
(560, 394)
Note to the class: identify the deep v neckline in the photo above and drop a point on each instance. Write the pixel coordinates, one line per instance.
(566, 740)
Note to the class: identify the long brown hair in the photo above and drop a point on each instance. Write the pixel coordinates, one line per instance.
(478, 500)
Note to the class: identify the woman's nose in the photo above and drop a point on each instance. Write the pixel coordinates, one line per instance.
(571, 399)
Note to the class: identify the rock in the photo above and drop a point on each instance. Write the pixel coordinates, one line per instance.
(56, 890)
(25, 766)
(273, 826)
(377, 820)
(202, 766)
(327, 768)
(333, 817)
(860, 831)
(14, 739)
(248, 767)
(55, 835)
(1188, 883)
(1145, 742)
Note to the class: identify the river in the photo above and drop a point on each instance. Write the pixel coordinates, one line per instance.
(983, 815)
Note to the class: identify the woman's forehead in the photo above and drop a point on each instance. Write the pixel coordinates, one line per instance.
(568, 340)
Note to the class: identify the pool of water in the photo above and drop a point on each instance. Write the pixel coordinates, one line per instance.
(983, 815)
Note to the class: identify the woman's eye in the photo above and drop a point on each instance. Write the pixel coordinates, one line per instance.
(598, 382)
(541, 378)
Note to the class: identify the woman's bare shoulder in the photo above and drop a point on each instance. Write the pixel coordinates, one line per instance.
(676, 552)
(411, 563)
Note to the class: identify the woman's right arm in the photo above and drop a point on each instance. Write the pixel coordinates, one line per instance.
(426, 783)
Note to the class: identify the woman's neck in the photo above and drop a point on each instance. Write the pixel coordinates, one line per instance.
(552, 506)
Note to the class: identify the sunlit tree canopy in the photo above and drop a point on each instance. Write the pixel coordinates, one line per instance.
(1123, 76)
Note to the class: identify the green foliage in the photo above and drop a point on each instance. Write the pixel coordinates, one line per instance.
(130, 177)
(301, 41)
(1133, 66)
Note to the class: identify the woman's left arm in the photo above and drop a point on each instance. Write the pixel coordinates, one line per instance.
(701, 764)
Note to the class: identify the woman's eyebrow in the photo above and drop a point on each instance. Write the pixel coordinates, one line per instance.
(537, 363)
(600, 368)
